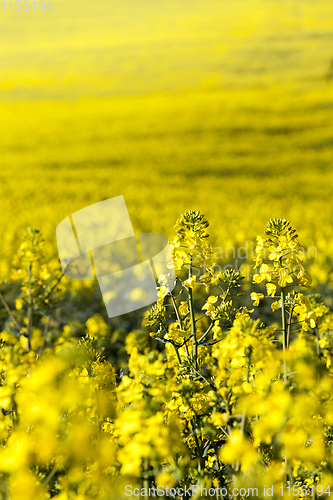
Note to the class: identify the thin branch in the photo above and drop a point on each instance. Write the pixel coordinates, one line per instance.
(46, 329)
(50, 475)
(179, 322)
(176, 311)
(289, 324)
(198, 319)
(206, 332)
(204, 378)
(11, 314)
(211, 343)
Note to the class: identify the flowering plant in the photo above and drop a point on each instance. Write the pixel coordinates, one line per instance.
(211, 397)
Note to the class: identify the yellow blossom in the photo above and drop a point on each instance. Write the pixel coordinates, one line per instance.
(276, 305)
(256, 297)
(183, 308)
(271, 289)
(284, 278)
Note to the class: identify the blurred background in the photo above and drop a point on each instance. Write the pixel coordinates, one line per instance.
(220, 106)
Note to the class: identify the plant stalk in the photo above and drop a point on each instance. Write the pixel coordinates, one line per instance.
(284, 333)
(193, 329)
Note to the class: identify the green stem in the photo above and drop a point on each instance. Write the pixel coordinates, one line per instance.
(289, 326)
(145, 477)
(11, 314)
(206, 332)
(177, 354)
(201, 460)
(46, 329)
(284, 345)
(242, 426)
(247, 377)
(29, 325)
(176, 311)
(207, 381)
(317, 341)
(50, 475)
(179, 323)
(193, 329)
(284, 333)
(54, 287)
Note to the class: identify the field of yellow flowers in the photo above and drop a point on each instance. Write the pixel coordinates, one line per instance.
(209, 401)
(225, 108)
(223, 388)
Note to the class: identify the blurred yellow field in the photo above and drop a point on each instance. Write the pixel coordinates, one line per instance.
(219, 110)
(220, 107)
